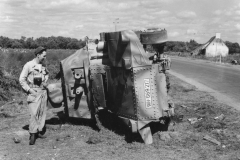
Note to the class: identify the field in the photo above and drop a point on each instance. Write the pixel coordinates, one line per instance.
(198, 117)
(12, 60)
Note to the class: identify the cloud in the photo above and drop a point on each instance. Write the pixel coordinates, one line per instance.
(54, 3)
(237, 12)
(187, 14)
(127, 5)
(216, 20)
(79, 26)
(7, 19)
(237, 26)
(66, 2)
(171, 20)
(153, 3)
(77, 18)
(63, 33)
(217, 12)
(236, 18)
(173, 34)
(63, 6)
(228, 13)
(161, 13)
(192, 31)
(138, 23)
(163, 25)
(156, 25)
(149, 17)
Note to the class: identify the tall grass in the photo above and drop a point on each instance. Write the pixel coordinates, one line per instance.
(13, 60)
(7, 86)
(54, 56)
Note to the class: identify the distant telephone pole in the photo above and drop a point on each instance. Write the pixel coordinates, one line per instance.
(115, 23)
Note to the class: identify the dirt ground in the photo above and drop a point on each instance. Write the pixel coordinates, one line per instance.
(198, 118)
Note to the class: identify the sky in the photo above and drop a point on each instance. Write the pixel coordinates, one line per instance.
(183, 19)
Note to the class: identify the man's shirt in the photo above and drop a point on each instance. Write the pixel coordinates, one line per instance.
(30, 70)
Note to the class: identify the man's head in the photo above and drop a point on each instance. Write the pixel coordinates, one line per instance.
(40, 53)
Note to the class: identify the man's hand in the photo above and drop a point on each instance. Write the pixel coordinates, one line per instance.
(44, 84)
(32, 91)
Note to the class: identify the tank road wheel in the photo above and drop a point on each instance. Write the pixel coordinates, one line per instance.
(94, 112)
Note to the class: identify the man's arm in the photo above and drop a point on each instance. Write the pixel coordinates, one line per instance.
(46, 76)
(23, 78)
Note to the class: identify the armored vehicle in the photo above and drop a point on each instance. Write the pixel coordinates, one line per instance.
(117, 73)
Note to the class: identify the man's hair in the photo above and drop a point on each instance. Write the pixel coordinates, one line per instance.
(39, 50)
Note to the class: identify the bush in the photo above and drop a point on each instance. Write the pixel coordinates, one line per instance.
(7, 85)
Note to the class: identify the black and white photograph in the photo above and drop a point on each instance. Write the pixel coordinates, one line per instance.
(119, 80)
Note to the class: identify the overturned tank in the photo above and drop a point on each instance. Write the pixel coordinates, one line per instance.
(117, 74)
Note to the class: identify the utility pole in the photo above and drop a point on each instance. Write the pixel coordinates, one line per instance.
(115, 23)
(220, 54)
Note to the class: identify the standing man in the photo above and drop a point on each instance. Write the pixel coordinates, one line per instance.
(33, 80)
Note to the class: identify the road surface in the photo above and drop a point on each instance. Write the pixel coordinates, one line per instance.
(218, 79)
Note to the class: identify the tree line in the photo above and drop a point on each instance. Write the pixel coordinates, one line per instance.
(233, 47)
(47, 42)
(178, 46)
(73, 43)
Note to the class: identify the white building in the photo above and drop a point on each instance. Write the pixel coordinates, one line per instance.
(214, 47)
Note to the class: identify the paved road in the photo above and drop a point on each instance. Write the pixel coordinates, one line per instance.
(224, 79)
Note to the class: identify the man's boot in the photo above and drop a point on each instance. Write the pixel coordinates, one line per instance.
(32, 138)
(41, 133)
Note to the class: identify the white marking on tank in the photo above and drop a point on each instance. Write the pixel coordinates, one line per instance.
(147, 93)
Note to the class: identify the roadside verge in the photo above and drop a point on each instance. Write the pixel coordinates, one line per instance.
(220, 97)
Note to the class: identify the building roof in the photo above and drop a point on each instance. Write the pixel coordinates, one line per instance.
(205, 45)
